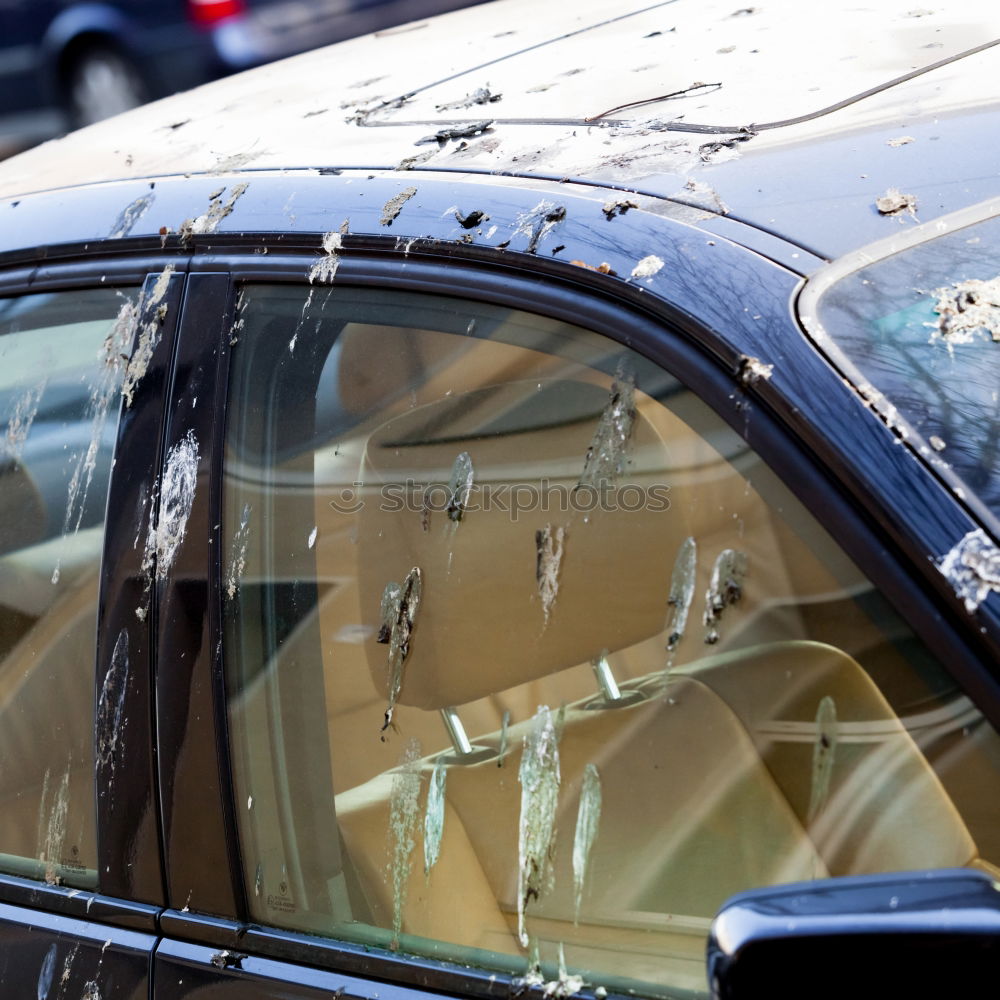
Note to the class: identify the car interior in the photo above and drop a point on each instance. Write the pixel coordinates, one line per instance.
(58, 396)
(792, 733)
(632, 675)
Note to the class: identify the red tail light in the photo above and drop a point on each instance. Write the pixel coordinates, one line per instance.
(208, 12)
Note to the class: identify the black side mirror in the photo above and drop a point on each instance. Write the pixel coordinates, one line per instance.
(907, 935)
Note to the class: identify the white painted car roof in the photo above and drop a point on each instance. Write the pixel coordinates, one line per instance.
(554, 66)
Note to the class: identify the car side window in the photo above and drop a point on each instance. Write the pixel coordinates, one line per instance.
(61, 367)
(531, 660)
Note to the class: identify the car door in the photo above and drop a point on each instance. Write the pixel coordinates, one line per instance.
(513, 618)
(85, 349)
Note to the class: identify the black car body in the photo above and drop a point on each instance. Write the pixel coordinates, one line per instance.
(441, 399)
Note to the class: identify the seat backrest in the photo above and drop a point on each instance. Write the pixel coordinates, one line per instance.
(713, 822)
(859, 806)
(43, 782)
(707, 780)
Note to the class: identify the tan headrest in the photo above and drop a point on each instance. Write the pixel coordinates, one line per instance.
(480, 626)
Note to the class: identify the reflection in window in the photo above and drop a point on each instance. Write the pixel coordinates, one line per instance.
(532, 662)
(922, 326)
(61, 365)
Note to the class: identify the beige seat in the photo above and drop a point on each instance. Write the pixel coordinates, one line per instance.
(706, 771)
(702, 797)
(47, 793)
(681, 753)
(885, 809)
(616, 572)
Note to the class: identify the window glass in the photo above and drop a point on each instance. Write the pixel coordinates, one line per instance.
(921, 325)
(61, 365)
(531, 660)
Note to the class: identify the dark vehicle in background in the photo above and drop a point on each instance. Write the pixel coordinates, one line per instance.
(66, 63)
(508, 509)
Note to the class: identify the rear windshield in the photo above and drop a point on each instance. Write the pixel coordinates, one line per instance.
(921, 326)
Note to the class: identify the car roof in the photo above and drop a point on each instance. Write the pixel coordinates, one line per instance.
(750, 112)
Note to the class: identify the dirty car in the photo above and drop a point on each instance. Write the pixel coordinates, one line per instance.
(509, 508)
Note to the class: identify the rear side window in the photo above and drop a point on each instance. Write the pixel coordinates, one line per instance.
(62, 361)
(532, 662)
(918, 324)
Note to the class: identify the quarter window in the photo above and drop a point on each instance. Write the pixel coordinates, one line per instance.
(532, 662)
(61, 368)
